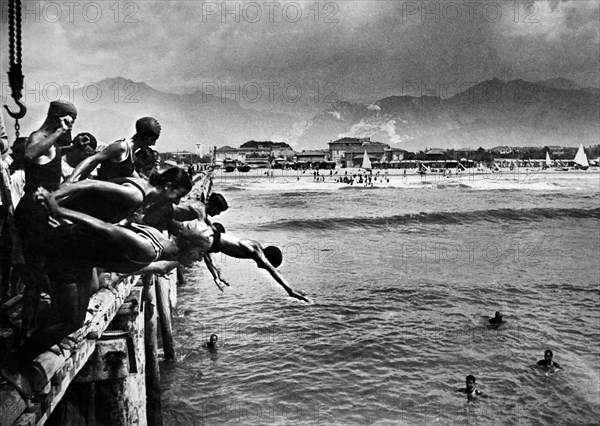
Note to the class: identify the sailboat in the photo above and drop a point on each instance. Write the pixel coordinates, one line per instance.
(366, 164)
(548, 161)
(581, 159)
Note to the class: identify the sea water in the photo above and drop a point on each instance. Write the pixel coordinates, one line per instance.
(403, 276)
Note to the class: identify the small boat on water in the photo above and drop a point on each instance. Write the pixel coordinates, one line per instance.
(243, 168)
(581, 160)
(366, 163)
(229, 165)
(548, 162)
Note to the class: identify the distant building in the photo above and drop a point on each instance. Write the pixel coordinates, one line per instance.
(312, 156)
(225, 152)
(556, 150)
(350, 151)
(375, 150)
(435, 154)
(266, 149)
(502, 150)
(393, 154)
(465, 152)
(339, 148)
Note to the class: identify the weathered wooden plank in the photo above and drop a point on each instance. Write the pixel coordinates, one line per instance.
(163, 289)
(151, 349)
(11, 405)
(52, 371)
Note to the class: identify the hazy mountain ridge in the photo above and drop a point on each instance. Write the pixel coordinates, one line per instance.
(488, 114)
(491, 113)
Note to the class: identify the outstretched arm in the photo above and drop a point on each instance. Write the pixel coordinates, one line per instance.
(214, 271)
(159, 267)
(83, 169)
(248, 249)
(279, 278)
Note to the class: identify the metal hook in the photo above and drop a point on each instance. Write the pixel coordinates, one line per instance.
(17, 115)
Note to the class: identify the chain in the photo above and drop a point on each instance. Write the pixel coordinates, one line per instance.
(11, 31)
(15, 72)
(18, 33)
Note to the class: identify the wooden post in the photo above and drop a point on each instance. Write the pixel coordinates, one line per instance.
(110, 388)
(163, 289)
(118, 370)
(152, 368)
(77, 406)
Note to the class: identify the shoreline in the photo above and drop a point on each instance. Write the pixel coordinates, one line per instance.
(260, 179)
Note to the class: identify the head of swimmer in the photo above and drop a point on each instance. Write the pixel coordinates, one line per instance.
(471, 383)
(216, 204)
(194, 240)
(173, 184)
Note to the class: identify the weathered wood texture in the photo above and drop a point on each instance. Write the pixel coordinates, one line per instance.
(52, 371)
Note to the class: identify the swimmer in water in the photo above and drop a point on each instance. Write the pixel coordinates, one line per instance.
(547, 361)
(470, 388)
(497, 320)
(212, 343)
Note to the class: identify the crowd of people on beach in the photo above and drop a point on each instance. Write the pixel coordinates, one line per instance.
(70, 213)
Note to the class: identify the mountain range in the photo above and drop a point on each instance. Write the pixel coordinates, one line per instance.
(491, 113)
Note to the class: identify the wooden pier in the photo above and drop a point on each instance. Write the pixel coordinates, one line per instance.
(107, 372)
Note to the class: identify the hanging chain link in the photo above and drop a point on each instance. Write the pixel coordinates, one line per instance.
(15, 72)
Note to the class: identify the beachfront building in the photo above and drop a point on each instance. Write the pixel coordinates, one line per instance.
(435, 154)
(349, 152)
(256, 153)
(392, 157)
(312, 156)
(465, 154)
(375, 151)
(556, 151)
(504, 150)
(339, 148)
(266, 149)
(226, 152)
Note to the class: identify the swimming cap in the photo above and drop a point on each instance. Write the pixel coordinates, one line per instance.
(61, 108)
(148, 127)
(273, 255)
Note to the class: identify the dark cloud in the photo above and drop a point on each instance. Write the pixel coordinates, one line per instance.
(367, 49)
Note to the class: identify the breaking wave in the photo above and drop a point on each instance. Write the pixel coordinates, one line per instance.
(440, 218)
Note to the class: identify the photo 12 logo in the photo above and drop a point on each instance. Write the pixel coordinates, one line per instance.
(270, 11)
(469, 11)
(74, 11)
(76, 92)
(270, 91)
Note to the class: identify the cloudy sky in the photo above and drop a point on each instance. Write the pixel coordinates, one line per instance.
(355, 50)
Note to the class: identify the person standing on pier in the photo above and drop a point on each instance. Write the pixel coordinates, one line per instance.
(42, 166)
